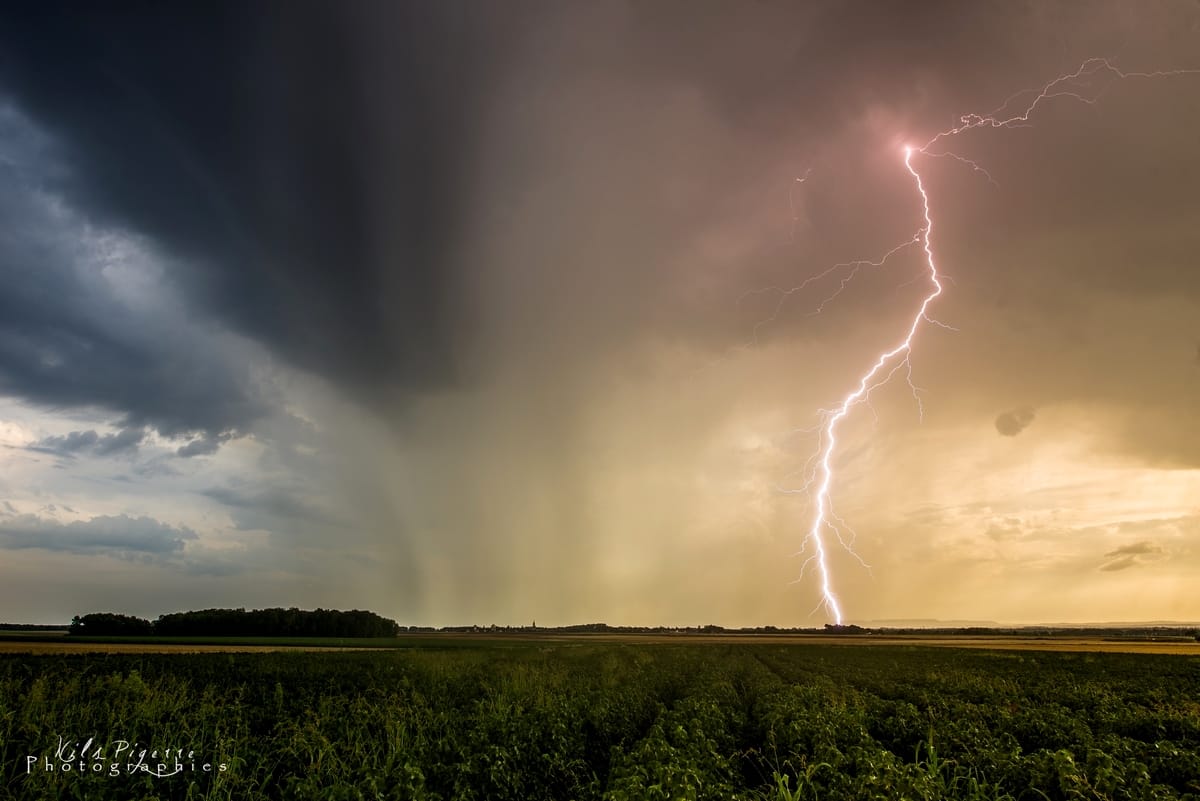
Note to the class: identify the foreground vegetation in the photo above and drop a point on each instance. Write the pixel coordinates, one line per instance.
(604, 721)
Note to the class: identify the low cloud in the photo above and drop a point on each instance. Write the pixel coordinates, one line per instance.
(125, 441)
(1128, 556)
(1013, 422)
(204, 445)
(116, 535)
(1137, 549)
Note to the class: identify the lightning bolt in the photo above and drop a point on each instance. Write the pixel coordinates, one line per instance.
(1079, 85)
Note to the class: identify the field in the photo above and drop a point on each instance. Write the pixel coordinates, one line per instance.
(586, 719)
(58, 643)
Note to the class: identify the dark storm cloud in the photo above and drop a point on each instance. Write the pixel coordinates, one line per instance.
(67, 338)
(118, 535)
(312, 164)
(303, 160)
(123, 442)
(1013, 422)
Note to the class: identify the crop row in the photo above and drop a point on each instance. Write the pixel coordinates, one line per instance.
(611, 722)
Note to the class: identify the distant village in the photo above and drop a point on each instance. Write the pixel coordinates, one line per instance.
(1153, 632)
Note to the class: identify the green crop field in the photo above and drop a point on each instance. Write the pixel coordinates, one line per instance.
(602, 721)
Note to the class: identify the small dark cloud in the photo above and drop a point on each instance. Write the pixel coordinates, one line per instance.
(1119, 564)
(124, 442)
(204, 445)
(117, 535)
(67, 445)
(1013, 422)
(8, 507)
(1136, 549)
(1128, 556)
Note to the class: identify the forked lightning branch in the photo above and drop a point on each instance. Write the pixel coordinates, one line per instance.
(1086, 85)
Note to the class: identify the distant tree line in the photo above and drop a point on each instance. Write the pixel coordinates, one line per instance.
(295, 622)
(110, 623)
(241, 623)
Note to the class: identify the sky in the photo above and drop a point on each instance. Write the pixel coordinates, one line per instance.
(469, 314)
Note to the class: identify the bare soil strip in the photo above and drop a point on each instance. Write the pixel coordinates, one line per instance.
(154, 648)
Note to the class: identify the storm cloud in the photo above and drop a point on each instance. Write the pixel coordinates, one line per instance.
(300, 163)
(89, 319)
(456, 311)
(114, 535)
